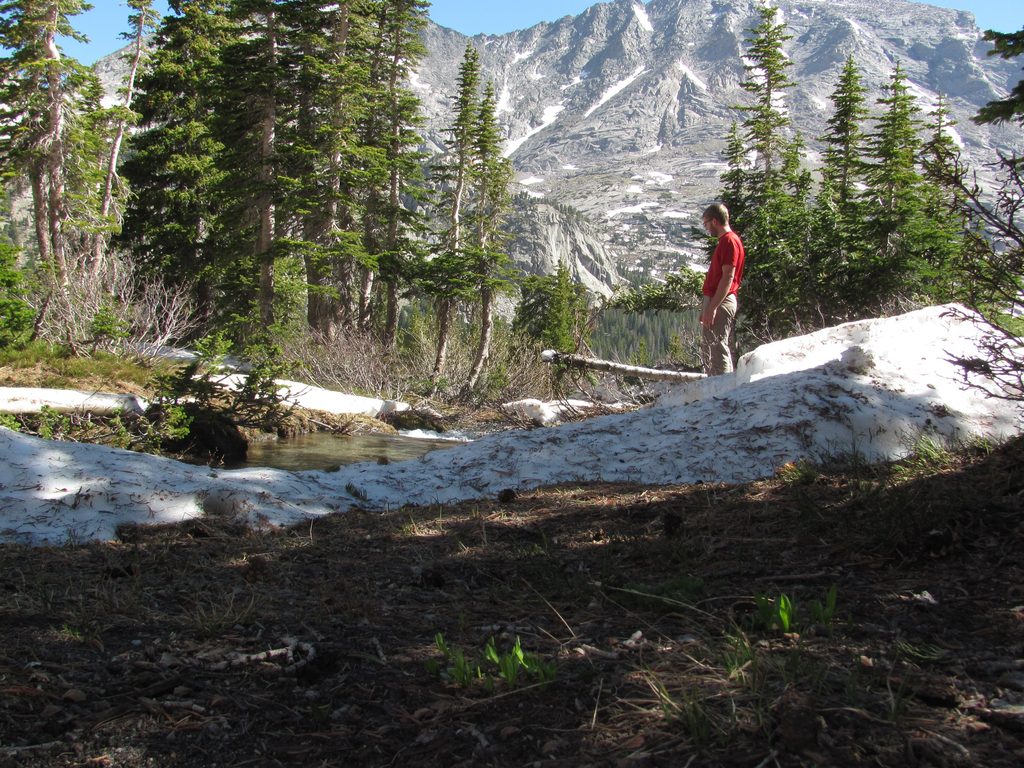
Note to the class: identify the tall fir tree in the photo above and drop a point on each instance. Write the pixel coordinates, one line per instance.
(771, 191)
(838, 212)
(394, 225)
(488, 263)
(445, 277)
(48, 105)
(324, 156)
(894, 199)
(174, 169)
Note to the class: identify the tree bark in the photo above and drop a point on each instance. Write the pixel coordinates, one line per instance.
(579, 361)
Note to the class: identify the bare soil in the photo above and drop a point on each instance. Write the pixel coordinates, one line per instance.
(659, 615)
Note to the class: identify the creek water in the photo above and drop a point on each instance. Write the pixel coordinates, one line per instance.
(322, 450)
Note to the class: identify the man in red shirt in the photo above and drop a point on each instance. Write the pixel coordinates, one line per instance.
(718, 310)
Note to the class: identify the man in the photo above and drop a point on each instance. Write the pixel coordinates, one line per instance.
(718, 310)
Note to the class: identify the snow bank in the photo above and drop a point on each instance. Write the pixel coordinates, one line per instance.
(870, 388)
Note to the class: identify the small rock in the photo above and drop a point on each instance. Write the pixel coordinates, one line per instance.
(75, 696)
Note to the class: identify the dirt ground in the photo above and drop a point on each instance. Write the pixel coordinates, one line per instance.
(675, 626)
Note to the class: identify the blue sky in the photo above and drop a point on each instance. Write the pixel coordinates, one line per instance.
(109, 18)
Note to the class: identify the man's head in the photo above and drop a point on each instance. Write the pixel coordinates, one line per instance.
(716, 219)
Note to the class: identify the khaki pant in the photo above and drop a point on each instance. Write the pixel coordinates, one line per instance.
(716, 342)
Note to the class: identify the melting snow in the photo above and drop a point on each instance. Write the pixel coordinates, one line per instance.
(869, 388)
(530, 180)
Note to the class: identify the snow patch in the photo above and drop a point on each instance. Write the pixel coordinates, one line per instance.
(615, 90)
(418, 85)
(549, 116)
(641, 16)
(690, 75)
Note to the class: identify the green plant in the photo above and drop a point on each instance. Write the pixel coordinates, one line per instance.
(16, 315)
(775, 614)
(508, 666)
(53, 425)
(460, 669)
(927, 455)
(798, 473)
(823, 613)
(106, 327)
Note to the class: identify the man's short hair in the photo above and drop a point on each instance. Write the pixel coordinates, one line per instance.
(718, 212)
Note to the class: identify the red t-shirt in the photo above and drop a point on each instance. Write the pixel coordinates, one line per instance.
(728, 251)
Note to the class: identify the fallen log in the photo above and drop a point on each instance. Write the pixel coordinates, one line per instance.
(579, 361)
(16, 400)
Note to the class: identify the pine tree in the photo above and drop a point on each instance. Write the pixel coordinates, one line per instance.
(488, 263)
(47, 129)
(323, 155)
(553, 311)
(836, 223)
(771, 195)
(945, 222)
(252, 82)
(1010, 109)
(446, 276)
(894, 200)
(172, 218)
(767, 81)
(392, 231)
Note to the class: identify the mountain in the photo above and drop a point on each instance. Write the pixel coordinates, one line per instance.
(616, 119)
(622, 112)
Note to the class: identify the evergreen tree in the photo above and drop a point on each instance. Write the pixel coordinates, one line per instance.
(767, 81)
(1010, 109)
(252, 82)
(488, 263)
(771, 195)
(446, 276)
(47, 122)
(894, 199)
(836, 222)
(324, 157)
(392, 231)
(172, 217)
(553, 311)
(945, 222)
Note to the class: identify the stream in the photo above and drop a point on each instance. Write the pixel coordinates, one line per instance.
(323, 450)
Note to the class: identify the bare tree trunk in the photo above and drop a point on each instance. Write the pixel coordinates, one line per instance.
(100, 239)
(39, 217)
(365, 299)
(483, 350)
(55, 206)
(391, 320)
(444, 323)
(265, 238)
(579, 361)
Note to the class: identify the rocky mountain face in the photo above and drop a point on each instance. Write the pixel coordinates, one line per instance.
(616, 119)
(622, 112)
